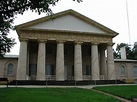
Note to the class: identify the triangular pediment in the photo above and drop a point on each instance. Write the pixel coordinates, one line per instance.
(67, 21)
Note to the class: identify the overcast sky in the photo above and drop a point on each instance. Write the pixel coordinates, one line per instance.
(110, 13)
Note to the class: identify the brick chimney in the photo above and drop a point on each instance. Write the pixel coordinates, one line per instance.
(123, 53)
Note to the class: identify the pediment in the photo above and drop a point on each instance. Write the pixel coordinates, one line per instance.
(67, 21)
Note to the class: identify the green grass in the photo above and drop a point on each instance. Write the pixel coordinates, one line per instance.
(127, 92)
(52, 95)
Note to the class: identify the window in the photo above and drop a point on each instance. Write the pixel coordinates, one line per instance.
(32, 69)
(88, 70)
(123, 71)
(135, 70)
(50, 69)
(49, 50)
(72, 70)
(10, 69)
(89, 51)
(66, 51)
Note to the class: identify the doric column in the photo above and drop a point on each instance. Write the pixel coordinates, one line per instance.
(78, 62)
(110, 63)
(95, 62)
(60, 61)
(41, 60)
(22, 61)
(103, 69)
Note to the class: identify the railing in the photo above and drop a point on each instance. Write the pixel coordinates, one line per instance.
(70, 77)
(53, 77)
(102, 77)
(86, 77)
(50, 77)
(4, 80)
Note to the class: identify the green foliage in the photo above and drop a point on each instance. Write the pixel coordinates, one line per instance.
(52, 95)
(135, 50)
(5, 44)
(116, 54)
(131, 53)
(10, 8)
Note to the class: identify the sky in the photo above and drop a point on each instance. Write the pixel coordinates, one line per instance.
(110, 13)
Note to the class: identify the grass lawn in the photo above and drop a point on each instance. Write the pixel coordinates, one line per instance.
(52, 95)
(128, 91)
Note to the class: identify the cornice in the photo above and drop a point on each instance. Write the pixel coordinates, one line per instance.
(70, 37)
(32, 30)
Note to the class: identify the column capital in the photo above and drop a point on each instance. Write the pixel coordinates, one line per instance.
(94, 43)
(110, 44)
(42, 40)
(23, 39)
(60, 41)
(78, 42)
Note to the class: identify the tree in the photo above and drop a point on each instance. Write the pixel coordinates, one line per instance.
(10, 8)
(130, 53)
(135, 51)
(116, 54)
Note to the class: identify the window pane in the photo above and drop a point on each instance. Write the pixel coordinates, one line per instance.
(32, 69)
(135, 70)
(88, 70)
(49, 69)
(10, 69)
(49, 50)
(73, 70)
(123, 71)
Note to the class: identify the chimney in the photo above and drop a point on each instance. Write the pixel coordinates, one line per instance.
(123, 53)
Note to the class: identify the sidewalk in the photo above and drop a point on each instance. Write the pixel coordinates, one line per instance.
(60, 86)
(48, 86)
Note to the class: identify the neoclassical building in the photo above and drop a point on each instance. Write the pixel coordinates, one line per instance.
(66, 46)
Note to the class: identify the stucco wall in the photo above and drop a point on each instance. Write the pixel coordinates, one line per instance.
(128, 69)
(4, 62)
(69, 62)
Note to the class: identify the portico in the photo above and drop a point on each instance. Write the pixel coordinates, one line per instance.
(61, 54)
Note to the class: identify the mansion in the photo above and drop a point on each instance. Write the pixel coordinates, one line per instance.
(66, 46)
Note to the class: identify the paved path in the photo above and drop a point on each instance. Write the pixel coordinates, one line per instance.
(119, 98)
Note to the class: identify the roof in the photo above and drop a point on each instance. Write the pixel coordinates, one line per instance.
(124, 60)
(28, 25)
(115, 60)
(11, 56)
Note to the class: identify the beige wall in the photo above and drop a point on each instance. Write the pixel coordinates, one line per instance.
(128, 69)
(69, 62)
(4, 62)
